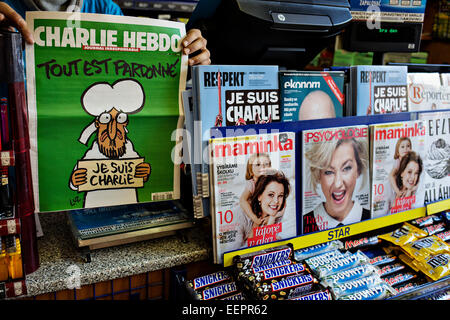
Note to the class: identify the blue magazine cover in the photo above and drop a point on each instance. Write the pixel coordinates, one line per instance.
(229, 95)
(307, 95)
(380, 89)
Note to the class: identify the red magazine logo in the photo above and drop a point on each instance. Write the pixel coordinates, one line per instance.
(416, 93)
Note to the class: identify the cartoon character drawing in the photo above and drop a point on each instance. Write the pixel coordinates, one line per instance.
(110, 105)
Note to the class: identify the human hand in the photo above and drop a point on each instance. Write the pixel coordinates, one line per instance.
(79, 177)
(193, 43)
(10, 19)
(256, 221)
(143, 171)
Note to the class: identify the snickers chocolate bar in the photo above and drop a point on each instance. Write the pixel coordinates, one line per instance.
(317, 295)
(288, 288)
(276, 274)
(263, 257)
(220, 291)
(196, 286)
(245, 273)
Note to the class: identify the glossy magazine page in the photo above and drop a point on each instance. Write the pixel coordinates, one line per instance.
(335, 179)
(425, 92)
(253, 190)
(437, 156)
(397, 167)
(380, 89)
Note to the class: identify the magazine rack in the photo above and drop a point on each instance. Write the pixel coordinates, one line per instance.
(311, 239)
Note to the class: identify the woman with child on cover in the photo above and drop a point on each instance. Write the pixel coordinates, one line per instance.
(407, 178)
(336, 166)
(268, 203)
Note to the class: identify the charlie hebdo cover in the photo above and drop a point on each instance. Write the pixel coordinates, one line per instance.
(104, 105)
(253, 183)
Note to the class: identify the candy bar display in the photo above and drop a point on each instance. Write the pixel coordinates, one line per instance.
(349, 276)
(384, 264)
(274, 275)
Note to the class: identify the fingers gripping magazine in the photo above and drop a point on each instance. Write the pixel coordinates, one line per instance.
(397, 167)
(253, 190)
(335, 177)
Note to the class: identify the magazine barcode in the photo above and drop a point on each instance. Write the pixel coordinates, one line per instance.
(161, 196)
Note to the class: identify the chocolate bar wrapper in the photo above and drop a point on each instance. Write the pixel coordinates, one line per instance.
(379, 292)
(316, 295)
(405, 234)
(357, 244)
(445, 236)
(390, 268)
(407, 286)
(267, 277)
(382, 259)
(340, 264)
(425, 247)
(441, 295)
(409, 261)
(435, 266)
(324, 258)
(245, 273)
(309, 252)
(354, 286)
(435, 228)
(263, 257)
(288, 288)
(235, 297)
(423, 221)
(399, 278)
(360, 271)
(196, 286)
(220, 291)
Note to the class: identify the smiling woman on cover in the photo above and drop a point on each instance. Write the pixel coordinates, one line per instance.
(336, 166)
(408, 174)
(268, 202)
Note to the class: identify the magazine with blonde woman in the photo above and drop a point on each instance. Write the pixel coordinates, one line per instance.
(335, 177)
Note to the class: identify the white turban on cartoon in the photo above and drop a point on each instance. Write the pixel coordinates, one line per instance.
(125, 96)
